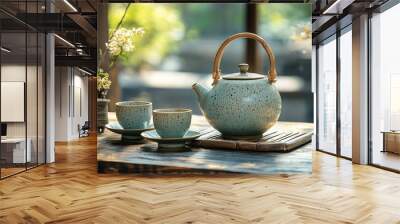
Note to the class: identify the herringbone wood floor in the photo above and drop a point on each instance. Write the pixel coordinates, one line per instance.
(71, 191)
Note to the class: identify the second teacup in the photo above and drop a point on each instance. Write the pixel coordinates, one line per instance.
(172, 123)
(134, 114)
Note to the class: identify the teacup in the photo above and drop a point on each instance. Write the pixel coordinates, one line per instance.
(172, 123)
(134, 114)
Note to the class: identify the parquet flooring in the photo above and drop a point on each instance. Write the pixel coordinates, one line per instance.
(10, 171)
(71, 191)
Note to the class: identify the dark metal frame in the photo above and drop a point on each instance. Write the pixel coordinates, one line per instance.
(203, 1)
(338, 98)
(26, 88)
(369, 115)
(316, 96)
(0, 91)
(30, 28)
(339, 30)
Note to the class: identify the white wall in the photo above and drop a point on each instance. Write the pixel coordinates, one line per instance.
(80, 102)
(71, 102)
(61, 114)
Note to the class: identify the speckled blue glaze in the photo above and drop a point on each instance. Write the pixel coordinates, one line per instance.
(172, 123)
(134, 114)
(240, 108)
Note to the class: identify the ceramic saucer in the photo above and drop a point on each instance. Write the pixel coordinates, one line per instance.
(127, 135)
(171, 144)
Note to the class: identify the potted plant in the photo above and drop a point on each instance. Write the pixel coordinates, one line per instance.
(121, 42)
(103, 83)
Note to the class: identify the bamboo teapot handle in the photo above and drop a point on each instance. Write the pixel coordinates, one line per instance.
(216, 73)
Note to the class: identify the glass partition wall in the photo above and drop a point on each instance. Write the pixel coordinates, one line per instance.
(334, 105)
(345, 92)
(22, 77)
(327, 95)
(385, 89)
(13, 85)
(334, 94)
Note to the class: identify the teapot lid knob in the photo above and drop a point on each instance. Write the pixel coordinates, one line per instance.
(244, 74)
(243, 67)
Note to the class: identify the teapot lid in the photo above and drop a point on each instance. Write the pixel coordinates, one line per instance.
(243, 75)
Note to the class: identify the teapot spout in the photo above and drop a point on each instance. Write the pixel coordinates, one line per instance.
(200, 91)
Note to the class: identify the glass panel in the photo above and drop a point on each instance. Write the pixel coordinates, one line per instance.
(31, 98)
(346, 94)
(13, 85)
(32, 87)
(385, 83)
(327, 97)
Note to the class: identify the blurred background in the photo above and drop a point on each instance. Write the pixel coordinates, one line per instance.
(180, 42)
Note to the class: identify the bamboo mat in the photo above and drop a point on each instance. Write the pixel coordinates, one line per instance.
(272, 141)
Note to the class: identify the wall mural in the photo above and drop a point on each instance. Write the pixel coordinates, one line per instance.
(252, 91)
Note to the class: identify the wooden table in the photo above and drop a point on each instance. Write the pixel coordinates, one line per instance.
(114, 155)
(391, 141)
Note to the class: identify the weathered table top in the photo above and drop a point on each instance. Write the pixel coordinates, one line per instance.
(112, 152)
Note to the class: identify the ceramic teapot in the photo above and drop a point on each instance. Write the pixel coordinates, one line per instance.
(241, 105)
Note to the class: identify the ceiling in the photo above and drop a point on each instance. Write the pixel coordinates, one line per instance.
(74, 22)
(329, 15)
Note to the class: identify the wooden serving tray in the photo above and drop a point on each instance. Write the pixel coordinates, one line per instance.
(272, 141)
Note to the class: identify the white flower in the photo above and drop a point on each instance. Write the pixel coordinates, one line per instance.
(103, 84)
(103, 80)
(122, 41)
